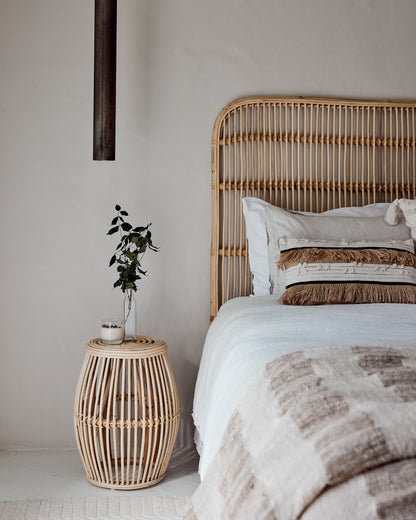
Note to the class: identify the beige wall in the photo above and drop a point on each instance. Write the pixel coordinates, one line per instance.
(180, 61)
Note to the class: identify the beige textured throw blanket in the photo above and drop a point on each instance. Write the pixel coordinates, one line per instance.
(322, 434)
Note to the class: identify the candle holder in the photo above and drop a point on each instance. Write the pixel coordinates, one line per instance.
(112, 332)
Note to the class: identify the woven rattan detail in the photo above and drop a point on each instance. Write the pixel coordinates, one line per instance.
(144, 347)
(117, 423)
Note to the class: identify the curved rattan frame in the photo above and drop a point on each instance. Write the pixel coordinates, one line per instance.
(126, 413)
(302, 153)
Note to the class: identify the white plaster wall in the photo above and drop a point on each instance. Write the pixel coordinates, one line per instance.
(180, 61)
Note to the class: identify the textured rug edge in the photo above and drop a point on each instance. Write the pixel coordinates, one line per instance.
(161, 507)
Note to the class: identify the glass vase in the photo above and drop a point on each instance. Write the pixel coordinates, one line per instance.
(129, 316)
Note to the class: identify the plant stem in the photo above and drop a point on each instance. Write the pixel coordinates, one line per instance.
(130, 297)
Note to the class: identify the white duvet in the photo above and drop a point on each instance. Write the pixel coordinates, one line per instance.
(251, 331)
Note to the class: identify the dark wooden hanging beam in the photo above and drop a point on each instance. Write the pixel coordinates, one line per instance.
(105, 55)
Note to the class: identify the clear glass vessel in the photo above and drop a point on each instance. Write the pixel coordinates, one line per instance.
(130, 316)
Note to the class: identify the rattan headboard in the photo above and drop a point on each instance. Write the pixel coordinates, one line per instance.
(301, 153)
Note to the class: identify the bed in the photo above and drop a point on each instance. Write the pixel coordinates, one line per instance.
(308, 407)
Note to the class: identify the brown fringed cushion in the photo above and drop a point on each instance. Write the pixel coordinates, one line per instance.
(328, 272)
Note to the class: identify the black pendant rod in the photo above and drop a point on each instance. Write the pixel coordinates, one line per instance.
(105, 56)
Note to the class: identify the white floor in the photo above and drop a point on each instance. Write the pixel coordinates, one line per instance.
(60, 474)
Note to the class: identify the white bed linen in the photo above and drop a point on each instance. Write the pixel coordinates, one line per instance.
(251, 331)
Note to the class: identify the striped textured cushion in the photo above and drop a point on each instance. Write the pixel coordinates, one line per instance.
(329, 272)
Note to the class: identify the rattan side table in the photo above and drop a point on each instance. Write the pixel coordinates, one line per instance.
(126, 413)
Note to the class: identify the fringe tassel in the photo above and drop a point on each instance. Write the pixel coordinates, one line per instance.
(330, 293)
(317, 255)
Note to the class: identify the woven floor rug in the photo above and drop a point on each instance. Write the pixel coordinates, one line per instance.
(94, 508)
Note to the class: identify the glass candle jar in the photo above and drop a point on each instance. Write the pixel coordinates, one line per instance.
(112, 332)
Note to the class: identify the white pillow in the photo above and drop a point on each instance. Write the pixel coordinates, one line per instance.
(284, 223)
(255, 218)
(408, 208)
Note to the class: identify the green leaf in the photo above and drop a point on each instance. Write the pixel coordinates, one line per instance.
(124, 213)
(125, 226)
(118, 207)
(131, 255)
(113, 230)
(114, 221)
(112, 261)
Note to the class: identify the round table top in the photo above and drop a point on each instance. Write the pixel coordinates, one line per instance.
(145, 346)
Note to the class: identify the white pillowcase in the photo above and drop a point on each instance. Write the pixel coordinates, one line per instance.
(255, 218)
(284, 223)
(408, 208)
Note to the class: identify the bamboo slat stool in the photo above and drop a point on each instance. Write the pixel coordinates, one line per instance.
(126, 413)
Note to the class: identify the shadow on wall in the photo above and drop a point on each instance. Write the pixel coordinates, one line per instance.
(185, 381)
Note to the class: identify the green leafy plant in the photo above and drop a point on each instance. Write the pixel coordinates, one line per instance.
(134, 243)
